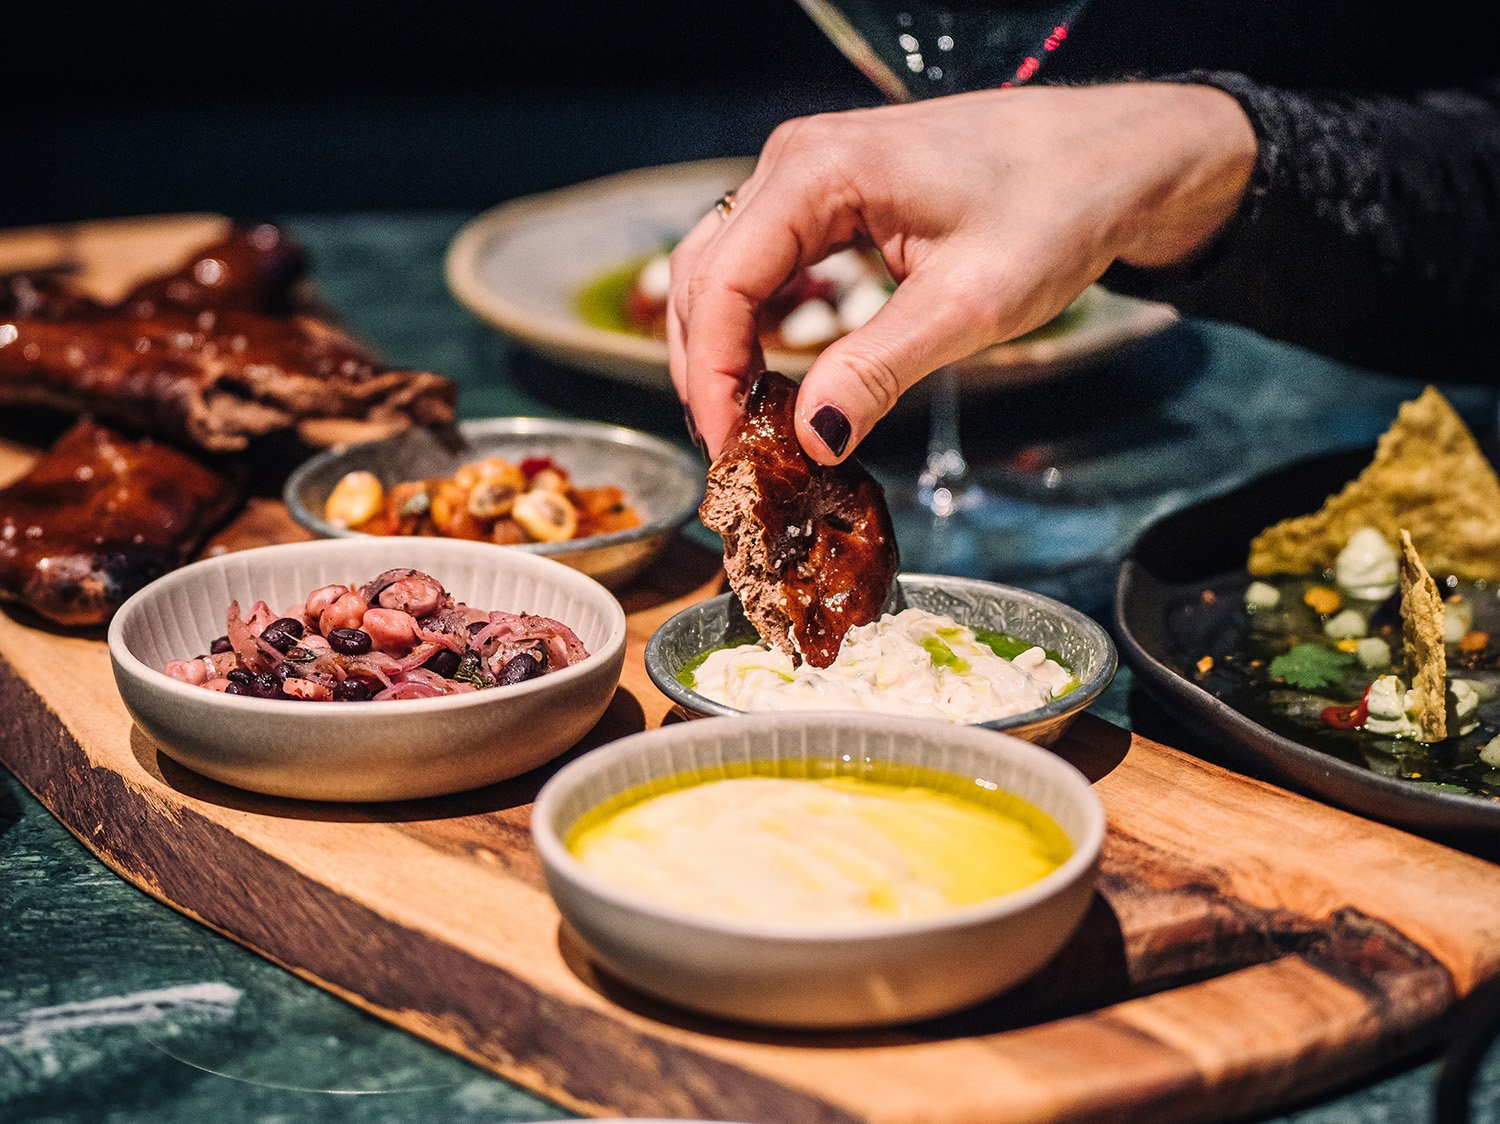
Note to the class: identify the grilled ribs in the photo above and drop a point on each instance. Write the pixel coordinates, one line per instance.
(215, 352)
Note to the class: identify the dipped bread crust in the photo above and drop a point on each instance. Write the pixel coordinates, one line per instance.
(809, 548)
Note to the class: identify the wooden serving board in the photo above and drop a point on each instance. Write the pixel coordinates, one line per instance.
(1247, 946)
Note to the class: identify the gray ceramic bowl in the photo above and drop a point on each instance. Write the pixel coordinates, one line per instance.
(1084, 647)
(364, 750)
(664, 483)
(863, 973)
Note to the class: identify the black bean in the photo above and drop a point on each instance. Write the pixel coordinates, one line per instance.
(518, 669)
(478, 626)
(352, 690)
(239, 675)
(349, 641)
(220, 645)
(283, 633)
(236, 688)
(267, 687)
(444, 662)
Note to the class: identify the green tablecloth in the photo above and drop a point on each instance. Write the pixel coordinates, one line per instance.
(114, 1008)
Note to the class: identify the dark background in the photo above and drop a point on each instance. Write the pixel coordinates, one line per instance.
(258, 107)
(273, 107)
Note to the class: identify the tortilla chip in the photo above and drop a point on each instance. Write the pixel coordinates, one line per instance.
(1422, 642)
(1428, 476)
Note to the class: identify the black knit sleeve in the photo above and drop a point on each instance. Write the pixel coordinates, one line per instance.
(1370, 230)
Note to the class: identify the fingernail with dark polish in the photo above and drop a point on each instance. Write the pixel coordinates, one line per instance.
(832, 426)
(692, 428)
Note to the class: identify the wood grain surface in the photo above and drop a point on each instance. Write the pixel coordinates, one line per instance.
(1247, 946)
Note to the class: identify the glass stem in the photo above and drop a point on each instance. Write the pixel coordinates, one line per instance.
(940, 487)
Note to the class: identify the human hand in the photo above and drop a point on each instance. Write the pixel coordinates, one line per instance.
(993, 211)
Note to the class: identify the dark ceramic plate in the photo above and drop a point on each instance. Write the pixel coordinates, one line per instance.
(1164, 623)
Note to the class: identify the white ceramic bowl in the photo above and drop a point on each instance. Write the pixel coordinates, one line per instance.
(854, 974)
(390, 750)
(662, 482)
(1078, 640)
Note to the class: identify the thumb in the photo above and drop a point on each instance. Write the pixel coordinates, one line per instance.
(857, 379)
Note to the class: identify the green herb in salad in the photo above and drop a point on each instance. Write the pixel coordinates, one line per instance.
(1311, 666)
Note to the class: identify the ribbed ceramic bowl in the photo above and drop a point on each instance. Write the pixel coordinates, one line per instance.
(390, 750)
(836, 975)
(663, 483)
(1083, 646)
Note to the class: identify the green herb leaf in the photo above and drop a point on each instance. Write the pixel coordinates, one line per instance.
(468, 671)
(301, 655)
(1311, 666)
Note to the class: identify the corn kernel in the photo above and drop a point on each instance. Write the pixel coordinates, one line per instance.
(1322, 600)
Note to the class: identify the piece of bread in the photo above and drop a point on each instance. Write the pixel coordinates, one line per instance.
(809, 548)
(1422, 642)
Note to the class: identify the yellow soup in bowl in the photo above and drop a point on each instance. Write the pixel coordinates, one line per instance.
(772, 845)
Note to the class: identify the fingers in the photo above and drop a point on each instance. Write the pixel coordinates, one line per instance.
(684, 258)
(925, 325)
(786, 223)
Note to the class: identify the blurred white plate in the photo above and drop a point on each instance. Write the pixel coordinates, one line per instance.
(521, 266)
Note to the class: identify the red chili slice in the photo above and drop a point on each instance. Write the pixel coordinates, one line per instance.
(1349, 717)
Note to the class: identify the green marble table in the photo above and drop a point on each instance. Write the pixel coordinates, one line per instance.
(114, 1008)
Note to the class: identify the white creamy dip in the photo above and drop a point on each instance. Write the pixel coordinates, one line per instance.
(915, 663)
(817, 851)
(1395, 711)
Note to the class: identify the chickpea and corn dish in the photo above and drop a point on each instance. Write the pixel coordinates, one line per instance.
(489, 500)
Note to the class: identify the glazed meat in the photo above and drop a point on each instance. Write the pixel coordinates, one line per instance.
(99, 516)
(254, 268)
(214, 353)
(808, 548)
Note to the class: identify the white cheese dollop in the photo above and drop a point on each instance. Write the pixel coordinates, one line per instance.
(810, 324)
(1347, 625)
(1489, 752)
(1393, 710)
(1463, 707)
(915, 662)
(861, 303)
(1366, 567)
(1261, 595)
(655, 280)
(842, 270)
(1373, 652)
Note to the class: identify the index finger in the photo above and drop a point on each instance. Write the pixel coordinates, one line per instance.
(790, 222)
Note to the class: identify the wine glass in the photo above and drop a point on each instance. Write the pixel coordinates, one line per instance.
(915, 49)
(1048, 506)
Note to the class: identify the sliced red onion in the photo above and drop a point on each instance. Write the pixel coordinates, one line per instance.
(410, 690)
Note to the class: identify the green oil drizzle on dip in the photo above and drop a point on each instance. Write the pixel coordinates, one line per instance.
(944, 656)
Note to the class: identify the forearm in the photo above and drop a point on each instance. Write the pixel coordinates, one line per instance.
(1370, 231)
